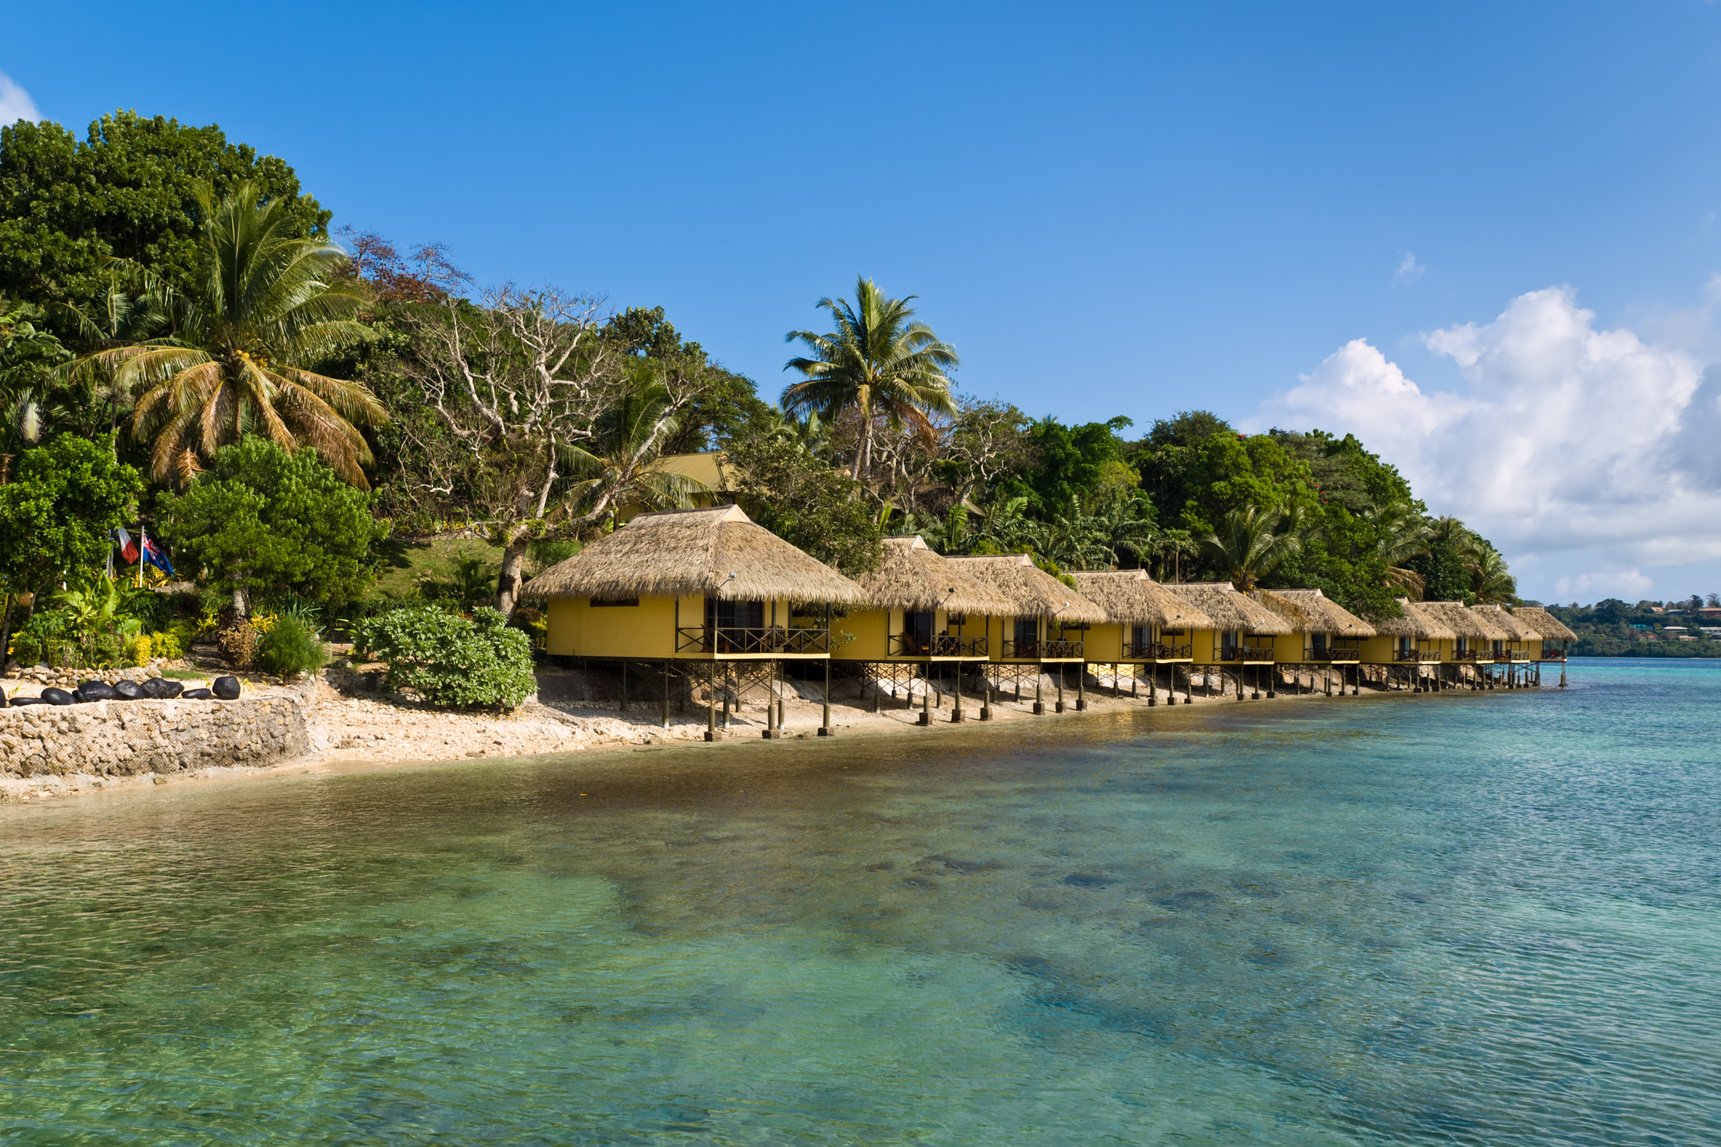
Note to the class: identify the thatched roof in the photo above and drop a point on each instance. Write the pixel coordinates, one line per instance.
(1031, 590)
(1130, 597)
(719, 552)
(1550, 627)
(1516, 627)
(1311, 611)
(1228, 609)
(914, 576)
(1417, 622)
(1463, 621)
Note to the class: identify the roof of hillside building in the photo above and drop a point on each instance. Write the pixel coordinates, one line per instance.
(1550, 627)
(719, 552)
(1031, 590)
(1311, 611)
(1229, 609)
(1517, 628)
(913, 576)
(1130, 597)
(1464, 621)
(1416, 622)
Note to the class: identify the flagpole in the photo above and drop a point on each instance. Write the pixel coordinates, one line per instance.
(142, 548)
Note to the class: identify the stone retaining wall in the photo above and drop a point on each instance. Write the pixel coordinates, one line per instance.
(125, 738)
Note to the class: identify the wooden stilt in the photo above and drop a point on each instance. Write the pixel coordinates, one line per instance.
(926, 695)
(711, 704)
(666, 694)
(825, 725)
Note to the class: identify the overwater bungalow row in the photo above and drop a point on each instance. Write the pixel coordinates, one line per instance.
(1148, 630)
(1404, 653)
(1240, 643)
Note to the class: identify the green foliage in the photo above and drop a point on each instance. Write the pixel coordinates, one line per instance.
(449, 661)
(268, 524)
(129, 189)
(57, 514)
(291, 647)
(464, 585)
(804, 500)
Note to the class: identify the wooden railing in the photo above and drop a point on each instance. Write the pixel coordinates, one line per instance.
(1246, 653)
(1416, 655)
(1154, 651)
(735, 639)
(1333, 651)
(1512, 655)
(1553, 655)
(1053, 650)
(943, 645)
(1473, 655)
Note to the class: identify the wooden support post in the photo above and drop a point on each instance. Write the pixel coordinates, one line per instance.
(711, 703)
(772, 718)
(956, 694)
(622, 708)
(666, 694)
(1060, 704)
(1039, 701)
(731, 697)
(1082, 687)
(825, 727)
(926, 695)
(985, 693)
(782, 690)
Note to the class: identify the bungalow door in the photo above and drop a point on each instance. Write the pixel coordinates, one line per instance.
(1233, 646)
(1027, 637)
(1404, 649)
(1318, 646)
(1140, 637)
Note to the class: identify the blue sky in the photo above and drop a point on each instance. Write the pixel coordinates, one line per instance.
(1435, 225)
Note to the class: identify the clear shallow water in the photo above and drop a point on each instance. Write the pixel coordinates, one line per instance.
(1412, 920)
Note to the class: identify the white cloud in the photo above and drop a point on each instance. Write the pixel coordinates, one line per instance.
(1628, 585)
(1409, 270)
(15, 103)
(1588, 455)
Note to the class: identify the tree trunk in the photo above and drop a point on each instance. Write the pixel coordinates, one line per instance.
(513, 567)
(241, 604)
(6, 635)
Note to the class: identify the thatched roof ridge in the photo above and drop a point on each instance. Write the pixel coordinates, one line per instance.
(719, 552)
(1229, 610)
(1464, 621)
(1417, 623)
(1130, 597)
(1032, 591)
(1516, 627)
(1311, 611)
(914, 576)
(1550, 627)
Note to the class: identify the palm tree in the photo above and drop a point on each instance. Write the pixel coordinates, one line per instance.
(266, 308)
(620, 465)
(878, 362)
(1401, 534)
(1250, 543)
(1491, 583)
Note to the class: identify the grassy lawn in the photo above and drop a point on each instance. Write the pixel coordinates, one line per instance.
(406, 560)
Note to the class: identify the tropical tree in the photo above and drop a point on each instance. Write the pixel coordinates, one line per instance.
(879, 362)
(619, 465)
(265, 309)
(28, 354)
(1491, 583)
(1401, 535)
(1250, 543)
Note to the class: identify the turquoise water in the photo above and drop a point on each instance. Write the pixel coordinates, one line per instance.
(1448, 919)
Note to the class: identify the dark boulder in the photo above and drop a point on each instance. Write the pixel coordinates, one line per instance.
(96, 691)
(197, 694)
(58, 697)
(20, 702)
(226, 688)
(129, 690)
(162, 689)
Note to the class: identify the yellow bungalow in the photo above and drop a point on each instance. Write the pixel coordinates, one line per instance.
(1407, 646)
(1553, 636)
(1036, 633)
(919, 604)
(1146, 625)
(1515, 646)
(709, 588)
(1324, 633)
(1241, 636)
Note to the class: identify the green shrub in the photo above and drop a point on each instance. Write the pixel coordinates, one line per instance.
(46, 639)
(291, 646)
(449, 661)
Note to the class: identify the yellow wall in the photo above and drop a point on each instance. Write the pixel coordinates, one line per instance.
(1383, 650)
(1104, 642)
(576, 628)
(1289, 647)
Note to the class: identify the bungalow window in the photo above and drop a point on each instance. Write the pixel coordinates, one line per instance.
(1404, 648)
(1140, 636)
(1232, 645)
(733, 620)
